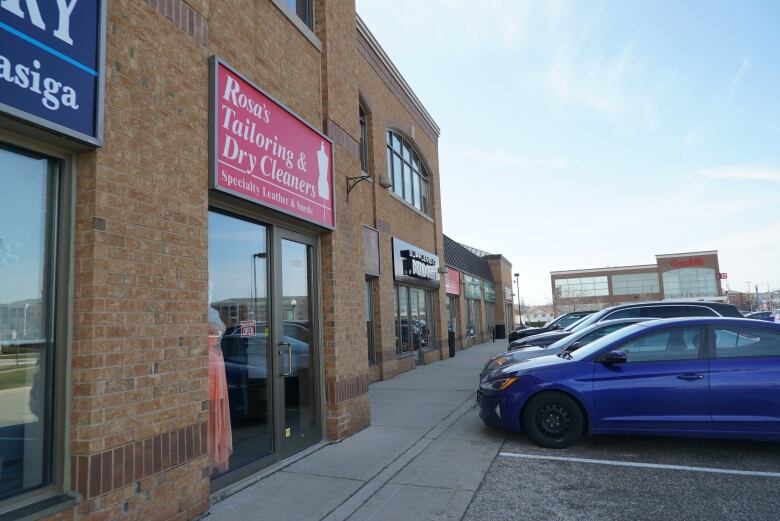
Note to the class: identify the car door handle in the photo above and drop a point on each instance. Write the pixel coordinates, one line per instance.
(690, 377)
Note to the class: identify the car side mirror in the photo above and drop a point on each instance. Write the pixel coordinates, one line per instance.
(555, 326)
(615, 357)
(574, 346)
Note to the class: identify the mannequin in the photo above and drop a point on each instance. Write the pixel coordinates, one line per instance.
(220, 441)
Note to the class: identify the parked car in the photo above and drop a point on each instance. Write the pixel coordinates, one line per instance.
(545, 339)
(713, 377)
(660, 309)
(572, 342)
(761, 315)
(560, 322)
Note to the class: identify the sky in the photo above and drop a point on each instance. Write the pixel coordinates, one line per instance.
(583, 134)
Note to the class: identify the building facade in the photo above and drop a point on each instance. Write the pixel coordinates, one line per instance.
(479, 295)
(694, 275)
(220, 221)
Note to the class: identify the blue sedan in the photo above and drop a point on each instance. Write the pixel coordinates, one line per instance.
(715, 377)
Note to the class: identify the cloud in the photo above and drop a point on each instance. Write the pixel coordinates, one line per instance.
(510, 159)
(742, 173)
(744, 68)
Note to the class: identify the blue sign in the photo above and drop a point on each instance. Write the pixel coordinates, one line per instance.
(51, 61)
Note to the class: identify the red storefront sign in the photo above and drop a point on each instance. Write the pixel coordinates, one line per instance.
(264, 153)
(452, 281)
(686, 263)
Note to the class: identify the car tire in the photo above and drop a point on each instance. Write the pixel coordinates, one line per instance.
(553, 420)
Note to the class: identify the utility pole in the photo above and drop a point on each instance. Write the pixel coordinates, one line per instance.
(750, 304)
(519, 311)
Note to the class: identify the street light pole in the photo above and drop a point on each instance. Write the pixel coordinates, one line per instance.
(519, 313)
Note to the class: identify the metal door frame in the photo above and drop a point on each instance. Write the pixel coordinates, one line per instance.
(243, 210)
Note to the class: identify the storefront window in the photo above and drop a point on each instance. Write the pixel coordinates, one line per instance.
(414, 319)
(239, 384)
(490, 322)
(690, 282)
(473, 318)
(27, 349)
(635, 284)
(581, 287)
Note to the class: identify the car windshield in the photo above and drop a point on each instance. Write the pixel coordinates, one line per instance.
(575, 325)
(570, 339)
(598, 344)
(588, 320)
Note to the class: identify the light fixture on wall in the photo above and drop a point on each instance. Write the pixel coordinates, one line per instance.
(385, 181)
(443, 270)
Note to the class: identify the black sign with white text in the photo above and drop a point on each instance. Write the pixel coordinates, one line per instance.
(415, 265)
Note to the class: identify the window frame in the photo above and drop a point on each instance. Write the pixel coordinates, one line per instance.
(405, 165)
(712, 351)
(704, 345)
(365, 165)
(58, 279)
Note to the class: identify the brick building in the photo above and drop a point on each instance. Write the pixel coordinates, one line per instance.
(693, 275)
(220, 221)
(479, 294)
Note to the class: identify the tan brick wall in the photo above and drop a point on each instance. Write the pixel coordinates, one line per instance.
(139, 359)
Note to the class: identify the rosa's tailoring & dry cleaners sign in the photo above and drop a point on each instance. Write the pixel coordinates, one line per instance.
(264, 153)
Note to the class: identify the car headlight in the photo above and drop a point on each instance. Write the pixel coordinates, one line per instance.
(498, 385)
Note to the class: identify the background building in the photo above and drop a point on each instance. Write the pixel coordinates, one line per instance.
(694, 275)
(537, 315)
(479, 294)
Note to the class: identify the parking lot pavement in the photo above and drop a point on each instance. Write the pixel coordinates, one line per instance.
(631, 478)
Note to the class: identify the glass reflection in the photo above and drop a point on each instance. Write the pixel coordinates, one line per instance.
(24, 343)
(296, 347)
(238, 369)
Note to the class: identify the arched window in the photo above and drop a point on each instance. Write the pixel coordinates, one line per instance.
(410, 179)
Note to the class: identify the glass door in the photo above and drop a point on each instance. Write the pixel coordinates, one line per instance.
(240, 390)
(452, 325)
(297, 382)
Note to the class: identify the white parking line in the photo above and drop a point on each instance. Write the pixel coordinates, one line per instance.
(643, 465)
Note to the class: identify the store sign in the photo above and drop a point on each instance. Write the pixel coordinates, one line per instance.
(248, 328)
(452, 281)
(687, 263)
(415, 265)
(507, 293)
(472, 287)
(723, 276)
(51, 65)
(490, 291)
(264, 153)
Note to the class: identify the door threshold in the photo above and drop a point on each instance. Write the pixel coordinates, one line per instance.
(250, 480)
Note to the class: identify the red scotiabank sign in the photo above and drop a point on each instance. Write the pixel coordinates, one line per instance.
(452, 281)
(686, 263)
(264, 153)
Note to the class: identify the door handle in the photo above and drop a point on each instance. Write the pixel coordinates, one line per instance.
(690, 377)
(289, 358)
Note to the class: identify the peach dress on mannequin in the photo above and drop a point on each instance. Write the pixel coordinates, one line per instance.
(220, 434)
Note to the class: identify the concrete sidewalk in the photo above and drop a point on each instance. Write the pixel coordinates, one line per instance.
(423, 457)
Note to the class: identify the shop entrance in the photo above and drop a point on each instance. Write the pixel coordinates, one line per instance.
(263, 365)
